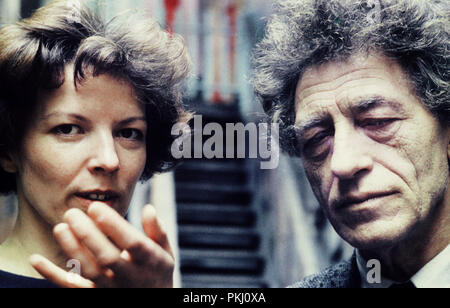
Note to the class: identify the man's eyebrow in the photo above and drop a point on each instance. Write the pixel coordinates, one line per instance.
(374, 102)
(302, 126)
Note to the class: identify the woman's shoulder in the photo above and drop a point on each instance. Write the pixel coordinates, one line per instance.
(9, 280)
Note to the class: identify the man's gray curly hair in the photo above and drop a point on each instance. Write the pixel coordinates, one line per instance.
(303, 33)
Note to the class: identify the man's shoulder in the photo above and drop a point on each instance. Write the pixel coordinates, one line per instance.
(341, 275)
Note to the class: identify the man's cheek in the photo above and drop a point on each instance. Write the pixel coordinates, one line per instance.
(318, 182)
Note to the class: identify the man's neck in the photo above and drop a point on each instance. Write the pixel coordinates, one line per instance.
(31, 235)
(402, 261)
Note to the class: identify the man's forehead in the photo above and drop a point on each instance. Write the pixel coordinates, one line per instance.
(353, 85)
(336, 71)
(332, 75)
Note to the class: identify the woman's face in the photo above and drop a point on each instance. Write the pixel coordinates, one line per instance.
(83, 145)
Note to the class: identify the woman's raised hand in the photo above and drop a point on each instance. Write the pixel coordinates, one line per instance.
(109, 251)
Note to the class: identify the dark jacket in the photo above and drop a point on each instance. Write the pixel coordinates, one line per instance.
(8, 280)
(342, 275)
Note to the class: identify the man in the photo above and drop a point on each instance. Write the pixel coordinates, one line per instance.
(361, 92)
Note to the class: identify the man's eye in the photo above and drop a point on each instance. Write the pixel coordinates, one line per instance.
(67, 129)
(314, 142)
(131, 133)
(376, 123)
(317, 146)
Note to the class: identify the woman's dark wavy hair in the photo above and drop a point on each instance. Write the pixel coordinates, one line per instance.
(303, 33)
(34, 53)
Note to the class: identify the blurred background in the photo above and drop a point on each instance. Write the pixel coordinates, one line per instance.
(231, 223)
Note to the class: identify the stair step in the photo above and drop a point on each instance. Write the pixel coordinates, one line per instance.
(197, 215)
(219, 253)
(192, 239)
(222, 281)
(219, 177)
(210, 193)
(220, 265)
(226, 172)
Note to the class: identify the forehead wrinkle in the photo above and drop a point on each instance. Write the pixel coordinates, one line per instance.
(323, 92)
(374, 102)
(334, 83)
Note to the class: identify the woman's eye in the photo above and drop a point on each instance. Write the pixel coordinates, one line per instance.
(67, 129)
(131, 133)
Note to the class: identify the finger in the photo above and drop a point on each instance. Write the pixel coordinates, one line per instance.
(73, 248)
(105, 252)
(153, 228)
(58, 276)
(126, 237)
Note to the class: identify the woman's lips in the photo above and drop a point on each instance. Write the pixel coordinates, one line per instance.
(88, 197)
(87, 202)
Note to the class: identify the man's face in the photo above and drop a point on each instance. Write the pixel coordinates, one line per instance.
(376, 158)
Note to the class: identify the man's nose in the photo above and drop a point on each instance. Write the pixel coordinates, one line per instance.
(350, 155)
(104, 158)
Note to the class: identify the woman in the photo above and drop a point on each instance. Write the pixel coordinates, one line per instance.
(86, 111)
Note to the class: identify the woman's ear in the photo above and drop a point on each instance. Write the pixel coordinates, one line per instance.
(8, 164)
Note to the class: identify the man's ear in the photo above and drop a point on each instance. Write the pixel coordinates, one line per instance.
(448, 145)
(8, 164)
(448, 151)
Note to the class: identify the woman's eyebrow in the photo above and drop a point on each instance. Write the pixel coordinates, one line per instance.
(84, 119)
(133, 119)
(64, 114)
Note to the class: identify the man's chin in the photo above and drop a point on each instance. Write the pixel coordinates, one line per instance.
(371, 238)
(372, 244)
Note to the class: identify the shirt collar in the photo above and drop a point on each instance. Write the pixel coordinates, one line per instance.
(435, 274)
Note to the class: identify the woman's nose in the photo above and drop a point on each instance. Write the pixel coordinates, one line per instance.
(104, 158)
(350, 154)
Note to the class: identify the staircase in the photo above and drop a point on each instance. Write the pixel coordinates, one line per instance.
(219, 236)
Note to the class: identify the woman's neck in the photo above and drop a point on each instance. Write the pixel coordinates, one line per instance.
(31, 235)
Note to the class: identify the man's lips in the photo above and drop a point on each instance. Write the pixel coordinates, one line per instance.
(352, 200)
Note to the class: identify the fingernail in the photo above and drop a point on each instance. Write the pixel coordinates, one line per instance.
(35, 259)
(60, 228)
